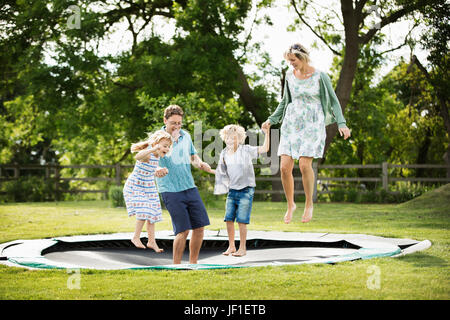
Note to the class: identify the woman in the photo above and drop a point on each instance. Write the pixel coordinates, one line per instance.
(309, 104)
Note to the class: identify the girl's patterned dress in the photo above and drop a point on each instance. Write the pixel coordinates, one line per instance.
(303, 130)
(140, 193)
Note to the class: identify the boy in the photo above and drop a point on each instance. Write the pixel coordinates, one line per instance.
(235, 175)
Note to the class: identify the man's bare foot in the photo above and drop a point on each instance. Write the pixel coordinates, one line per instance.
(229, 251)
(137, 243)
(154, 246)
(289, 213)
(307, 215)
(240, 253)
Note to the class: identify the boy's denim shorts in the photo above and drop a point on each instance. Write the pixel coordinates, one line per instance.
(239, 205)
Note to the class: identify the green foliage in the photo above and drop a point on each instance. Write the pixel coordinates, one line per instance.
(30, 188)
(402, 192)
(115, 194)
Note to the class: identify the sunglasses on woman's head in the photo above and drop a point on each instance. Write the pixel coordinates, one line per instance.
(297, 47)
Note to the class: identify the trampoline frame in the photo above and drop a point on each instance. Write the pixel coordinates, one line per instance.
(31, 253)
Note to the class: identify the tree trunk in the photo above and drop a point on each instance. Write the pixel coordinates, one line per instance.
(347, 74)
(247, 97)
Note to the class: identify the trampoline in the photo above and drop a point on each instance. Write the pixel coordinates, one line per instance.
(115, 251)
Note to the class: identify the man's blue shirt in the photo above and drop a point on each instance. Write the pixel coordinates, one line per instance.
(178, 163)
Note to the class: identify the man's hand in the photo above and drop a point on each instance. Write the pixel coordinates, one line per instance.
(206, 167)
(161, 172)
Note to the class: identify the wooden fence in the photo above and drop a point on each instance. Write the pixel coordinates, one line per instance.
(12, 172)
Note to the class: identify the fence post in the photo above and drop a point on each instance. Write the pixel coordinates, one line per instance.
(118, 174)
(16, 171)
(385, 175)
(316, 170)
(57, 177)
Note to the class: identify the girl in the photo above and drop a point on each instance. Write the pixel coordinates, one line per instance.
(140, 193)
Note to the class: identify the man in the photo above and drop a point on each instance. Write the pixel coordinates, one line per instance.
(177, 188)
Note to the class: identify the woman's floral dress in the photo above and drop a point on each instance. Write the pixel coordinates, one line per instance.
(303, 129)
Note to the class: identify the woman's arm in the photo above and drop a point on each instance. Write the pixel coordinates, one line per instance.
(334, 101)
(277, 116)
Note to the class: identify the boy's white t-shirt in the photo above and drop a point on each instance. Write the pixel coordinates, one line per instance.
(235, 171)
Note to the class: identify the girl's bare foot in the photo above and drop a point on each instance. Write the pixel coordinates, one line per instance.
(307, 215)
(154, 246)
(289, 213)
(229, 251)
(239, 253)
(137, 243)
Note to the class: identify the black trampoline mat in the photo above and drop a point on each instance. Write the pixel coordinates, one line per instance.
(119, 258)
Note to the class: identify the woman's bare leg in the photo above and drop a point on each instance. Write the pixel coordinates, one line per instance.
(287, 179)
(305, 164)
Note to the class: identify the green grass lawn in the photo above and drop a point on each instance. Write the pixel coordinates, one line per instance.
(422, 275)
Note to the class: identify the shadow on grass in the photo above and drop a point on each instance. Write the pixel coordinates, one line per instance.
(423, 260)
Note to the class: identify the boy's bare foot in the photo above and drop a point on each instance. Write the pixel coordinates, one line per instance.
(229, 251)
(289, 213)
(154, 246)
(137, 243)
(307, 215)
(239, 253)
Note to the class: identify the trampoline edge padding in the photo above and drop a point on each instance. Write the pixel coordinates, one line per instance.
(32, 253)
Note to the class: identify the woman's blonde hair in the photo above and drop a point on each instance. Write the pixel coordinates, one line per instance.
(299, 51)
(233, 129)
(153, 138)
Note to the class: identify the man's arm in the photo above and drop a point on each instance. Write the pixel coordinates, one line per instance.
(199, 164)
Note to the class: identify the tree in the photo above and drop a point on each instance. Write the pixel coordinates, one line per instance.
(98, 104)
(436, 40)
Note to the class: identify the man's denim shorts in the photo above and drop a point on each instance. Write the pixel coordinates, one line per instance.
(239, 205)
(186, 210)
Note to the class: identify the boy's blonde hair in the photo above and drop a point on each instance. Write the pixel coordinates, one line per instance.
(153, 138)
(233, 129)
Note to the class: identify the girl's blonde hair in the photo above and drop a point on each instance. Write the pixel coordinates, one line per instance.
(233, 129)
(299, 51)
(153, 138)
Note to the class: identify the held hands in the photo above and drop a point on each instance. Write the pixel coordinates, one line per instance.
(161, 172)
(266, 129)
(344, 132)
(265, 126)
(206, 167)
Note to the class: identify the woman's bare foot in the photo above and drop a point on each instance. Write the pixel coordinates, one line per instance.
(240, 253)
(137, 243)
(154, 246)
(307, 215)
(289, 213)
(229, 251)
